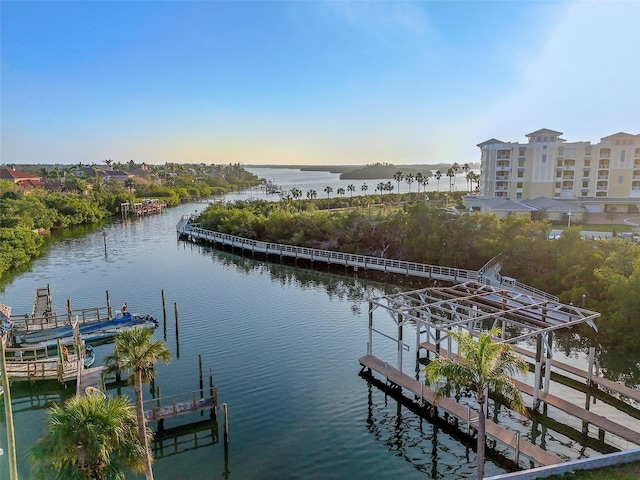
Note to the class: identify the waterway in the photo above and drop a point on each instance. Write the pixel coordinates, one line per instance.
(281, 344)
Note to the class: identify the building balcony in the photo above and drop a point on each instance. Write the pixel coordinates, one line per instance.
(601, 188)
(586, 179)
(503, 157)
(603, 166)
(603, 177)
(605, 155)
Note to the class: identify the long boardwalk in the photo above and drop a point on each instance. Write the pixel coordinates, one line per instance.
(599, 421)
(487, 275)
(422, 392)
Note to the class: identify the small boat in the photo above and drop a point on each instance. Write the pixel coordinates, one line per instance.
(91, 332)
(89, 356)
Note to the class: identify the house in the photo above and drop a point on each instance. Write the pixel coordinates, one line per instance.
(26, 181)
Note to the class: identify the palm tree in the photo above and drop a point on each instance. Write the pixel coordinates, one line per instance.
(311, 194)
(451, 173)
(455, 167)
(130, 183)
(438, 176)
(328, 191)
(364, 188)
(398, 176)
(380, 187)
(351, 189)
(482, 365)
(296, 193)
(341, 191)
(409, 179)
(419, 179)
(136, 352)
(89, 438)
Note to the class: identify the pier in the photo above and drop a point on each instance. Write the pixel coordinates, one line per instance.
(487, 275)
(422, 393)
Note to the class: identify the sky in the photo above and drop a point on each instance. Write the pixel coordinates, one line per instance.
(309, 82)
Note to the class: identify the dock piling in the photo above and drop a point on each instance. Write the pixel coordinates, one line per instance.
(225, 420)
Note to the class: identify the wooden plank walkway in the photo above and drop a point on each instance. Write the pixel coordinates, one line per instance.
(42, 303)
(498, 432)
(90, 377)
(387, 265)
(601, 381)
(171, 406)
(580, 413)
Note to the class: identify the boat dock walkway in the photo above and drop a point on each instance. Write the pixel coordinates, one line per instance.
(42, 303)
(31, 364)
(610, 385)
(90, 378)
(173, 405)
(424, 393)
(487, 275)
(580, 413)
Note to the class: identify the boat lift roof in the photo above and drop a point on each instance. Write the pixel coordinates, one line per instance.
(472, 305)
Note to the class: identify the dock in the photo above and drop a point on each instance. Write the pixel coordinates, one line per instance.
(603, 424)
(161, 408)
(459, 411)
(90, 378)
(43, 363)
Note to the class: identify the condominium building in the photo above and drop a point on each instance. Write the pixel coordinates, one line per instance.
(582, 173)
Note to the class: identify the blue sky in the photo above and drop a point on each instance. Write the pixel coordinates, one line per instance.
(309, 82)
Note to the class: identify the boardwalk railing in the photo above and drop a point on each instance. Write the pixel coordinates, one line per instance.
(436, 272)
(26, 323)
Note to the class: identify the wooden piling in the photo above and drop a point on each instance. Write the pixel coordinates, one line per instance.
(175, 311)
(200, 373)
(225, 420)
(109, 305)
(164, 316)
(214, 410)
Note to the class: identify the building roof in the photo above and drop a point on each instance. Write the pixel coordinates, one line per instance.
(543, 131)
(15, 175)
(550, 204)
(489, 142)
(620, 135)
(497, 204)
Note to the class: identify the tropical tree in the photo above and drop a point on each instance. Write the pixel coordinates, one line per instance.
(483, 365)
(419, 179)
(398, 176)
(380, 187)
(409, 179)
(130, 183)
(451, 173)
(328, 191)
(136, 352)
(311, 194)
(351, 189)
(438, 176)
(364, 187)
(296, 193)
(89, 438)
(341, 191)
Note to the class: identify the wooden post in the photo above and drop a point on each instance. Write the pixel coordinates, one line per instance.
(175, 310)
(370, 344)
(592, 354)
(104, 239)
(69, 311)
(164, 315)
(108, 305)
(11, 439)
(214, 409)
(400, 342)
(200, 374)
(225, 427)
(538, 371)
(517, 448)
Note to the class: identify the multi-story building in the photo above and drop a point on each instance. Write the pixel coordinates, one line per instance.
(593, 176)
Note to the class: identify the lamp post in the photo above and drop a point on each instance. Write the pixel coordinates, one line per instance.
(569, 218)
(584, 299)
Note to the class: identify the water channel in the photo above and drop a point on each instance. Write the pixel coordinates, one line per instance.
(281, 343)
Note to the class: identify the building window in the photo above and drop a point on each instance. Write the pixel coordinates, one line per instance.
(519, 196)
(587, 162)
(521, 162)
(520, 174)
(544, 158)
(623, 154)
(585, 194)
(519, 185)
(521, 151)
(558, 185)
(620, 179)
(585, 184)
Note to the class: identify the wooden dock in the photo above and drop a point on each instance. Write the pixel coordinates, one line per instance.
(436, 272)
(580, 413)
(173, 405)
(610, 385)
(90, 378)
(493, 430)
(32, 364)
(42, 303)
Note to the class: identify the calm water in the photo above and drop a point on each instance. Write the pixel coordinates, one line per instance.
(282, 345)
